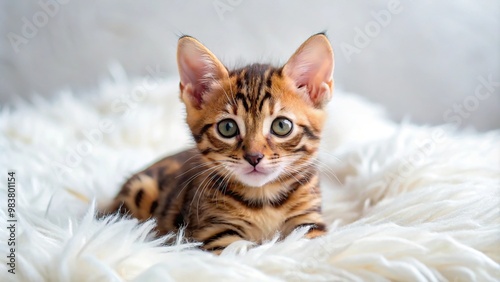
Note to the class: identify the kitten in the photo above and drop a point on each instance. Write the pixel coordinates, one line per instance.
(257, 131)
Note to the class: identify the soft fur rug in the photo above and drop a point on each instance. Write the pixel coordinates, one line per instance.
(403, 202)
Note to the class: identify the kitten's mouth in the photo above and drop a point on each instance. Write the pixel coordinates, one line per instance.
(257, 176)
(256, 171)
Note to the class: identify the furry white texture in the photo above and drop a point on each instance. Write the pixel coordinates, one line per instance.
(399, 205)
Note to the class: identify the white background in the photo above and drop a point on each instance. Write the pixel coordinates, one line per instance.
(427, 58)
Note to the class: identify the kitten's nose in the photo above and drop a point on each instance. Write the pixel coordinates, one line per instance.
(253, 158)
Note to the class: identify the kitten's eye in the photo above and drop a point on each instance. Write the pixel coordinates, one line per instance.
(281, 127)
(227, 128)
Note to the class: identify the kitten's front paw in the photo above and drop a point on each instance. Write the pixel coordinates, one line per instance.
(316, 230)
(216, 252)
(315, 233)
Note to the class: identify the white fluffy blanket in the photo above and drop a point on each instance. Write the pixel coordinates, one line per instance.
(403, 202)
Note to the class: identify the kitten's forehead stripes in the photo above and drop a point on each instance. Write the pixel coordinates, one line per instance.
(267, 96)
(253, 85)
(244, 100)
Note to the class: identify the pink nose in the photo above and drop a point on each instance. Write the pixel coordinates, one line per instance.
(253, 158)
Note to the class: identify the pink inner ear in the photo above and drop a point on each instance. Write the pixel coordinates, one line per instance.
(198, 68)
(312, 66)
(192, 72)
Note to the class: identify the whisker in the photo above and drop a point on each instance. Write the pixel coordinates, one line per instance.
(198, 174)
(324, 151)
(204, 185)
(226, 177)
(195, 167)
(193, 156)
(189, 180)
(327, 170)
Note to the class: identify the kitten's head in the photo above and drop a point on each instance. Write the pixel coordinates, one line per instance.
(258, 124)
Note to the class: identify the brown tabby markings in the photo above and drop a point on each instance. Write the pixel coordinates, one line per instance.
(191, 190)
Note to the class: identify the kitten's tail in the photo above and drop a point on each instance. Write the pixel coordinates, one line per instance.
(137, 198)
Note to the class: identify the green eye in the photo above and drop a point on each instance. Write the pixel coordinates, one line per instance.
(227, 128)
(281, 127)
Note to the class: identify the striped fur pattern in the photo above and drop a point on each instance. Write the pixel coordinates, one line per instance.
(257, 130)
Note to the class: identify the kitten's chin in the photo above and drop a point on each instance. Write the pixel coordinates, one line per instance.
(257, 179)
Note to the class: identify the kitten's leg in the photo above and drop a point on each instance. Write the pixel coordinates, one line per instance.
(307, 218)
(216, 238)
(138, 197)
(316, 230)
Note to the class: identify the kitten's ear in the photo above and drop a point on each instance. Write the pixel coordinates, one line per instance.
(198, 68)
(311, 69)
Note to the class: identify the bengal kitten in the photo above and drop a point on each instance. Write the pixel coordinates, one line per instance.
(257, 131)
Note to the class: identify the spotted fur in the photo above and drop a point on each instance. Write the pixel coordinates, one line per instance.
(256, 183)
